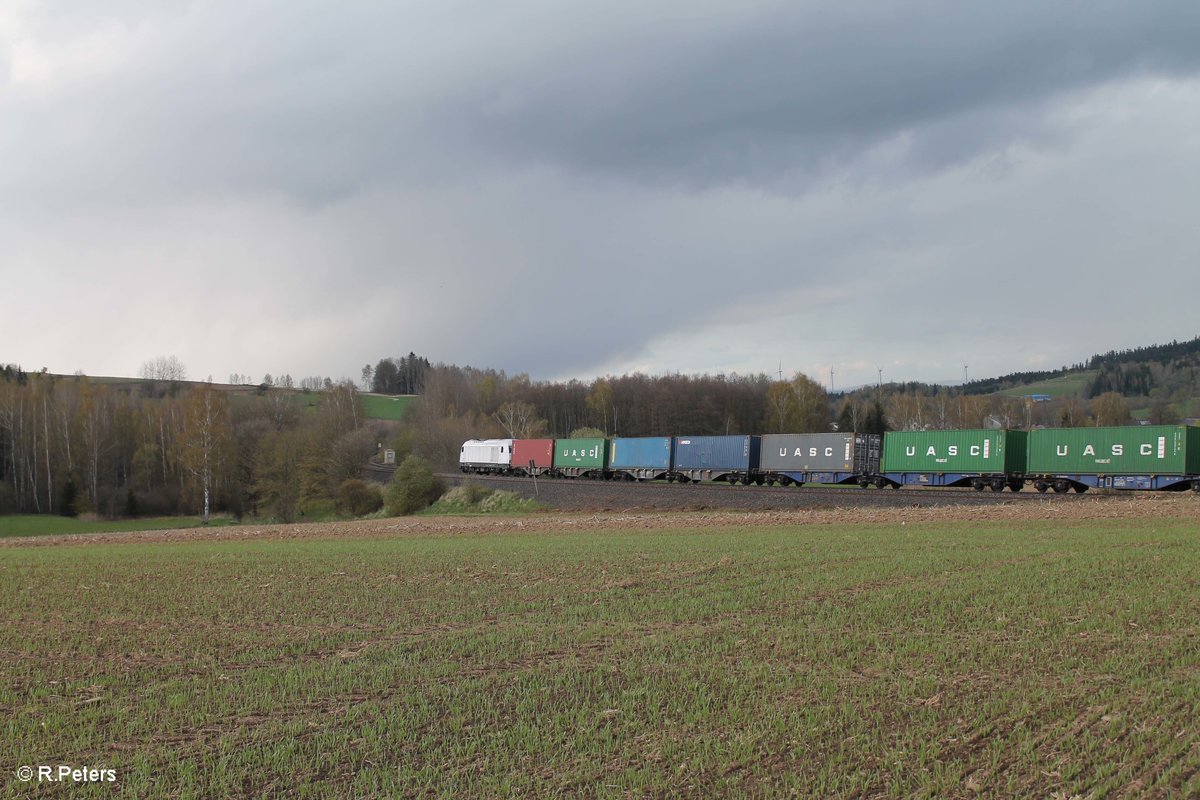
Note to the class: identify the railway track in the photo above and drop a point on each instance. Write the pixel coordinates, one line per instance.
(590, 495)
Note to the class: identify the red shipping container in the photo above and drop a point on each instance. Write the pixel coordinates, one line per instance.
(539, 451)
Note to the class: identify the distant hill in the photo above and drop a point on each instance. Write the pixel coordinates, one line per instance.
(1137, 372)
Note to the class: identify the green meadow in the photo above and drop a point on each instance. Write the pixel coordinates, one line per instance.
(377, 406)
(52, 525)
(932, 660)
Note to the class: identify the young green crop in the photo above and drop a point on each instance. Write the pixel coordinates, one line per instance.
(938, 660)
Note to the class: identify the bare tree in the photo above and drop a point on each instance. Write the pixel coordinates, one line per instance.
(906, 411)
(1111, 408)
(781, 407)
(600, 402)
(164, 368)
(520, 420)
(205, 436)
(972, 410)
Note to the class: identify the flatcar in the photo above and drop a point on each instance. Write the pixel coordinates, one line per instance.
(983, 458)
(1129, 457)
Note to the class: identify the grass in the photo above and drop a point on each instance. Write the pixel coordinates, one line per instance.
(376, 406)
(938, 660)
(1070, 385)
(471, 498)
(50, 525)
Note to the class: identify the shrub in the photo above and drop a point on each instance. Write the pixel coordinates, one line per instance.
(158, 501)
(587, 433)
(463, 499)
(473, 493)
(359, 498)
(473, 499)
(8, 499)
(507, 503)
(413, 487)
(70, 495)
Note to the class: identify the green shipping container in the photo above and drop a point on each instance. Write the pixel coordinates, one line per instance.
(1130, 450)
(583, 454)
(960, 452)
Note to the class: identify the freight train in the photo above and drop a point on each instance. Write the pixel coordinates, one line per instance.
(1153, 457)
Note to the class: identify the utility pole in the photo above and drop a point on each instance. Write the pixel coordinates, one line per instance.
(831, 378)
(964, 374)
(880, 384)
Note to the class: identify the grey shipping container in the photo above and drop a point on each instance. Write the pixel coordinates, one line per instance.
(821, 457)
(730, 458)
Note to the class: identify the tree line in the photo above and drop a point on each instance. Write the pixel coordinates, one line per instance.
(71, 445)
(165, 446)
(461, 403)
(396, 376)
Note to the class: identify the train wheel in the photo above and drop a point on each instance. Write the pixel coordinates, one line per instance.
(1041, 486)
(1196, 486)
(1080, 488)
(1016, 486)
(977, 484)
(1062, 487)
(997, 484)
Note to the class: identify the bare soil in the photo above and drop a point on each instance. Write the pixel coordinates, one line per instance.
(1050, 508)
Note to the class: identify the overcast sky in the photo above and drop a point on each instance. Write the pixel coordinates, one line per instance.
(573, 189)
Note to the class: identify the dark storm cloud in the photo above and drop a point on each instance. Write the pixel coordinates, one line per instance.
(791, 91)
(652, 179)
(322, 102)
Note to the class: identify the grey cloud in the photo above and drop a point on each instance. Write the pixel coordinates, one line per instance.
(322, 103)
(797, 90)
(376, 178)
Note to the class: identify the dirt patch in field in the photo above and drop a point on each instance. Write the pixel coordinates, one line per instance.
(1116, 507)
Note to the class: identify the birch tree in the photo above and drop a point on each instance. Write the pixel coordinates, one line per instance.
(205, 438)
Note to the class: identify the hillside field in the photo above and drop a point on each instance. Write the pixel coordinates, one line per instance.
(379, 406)
(1070, 385)
(932, 653)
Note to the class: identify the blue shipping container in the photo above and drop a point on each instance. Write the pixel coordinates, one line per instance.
(640, 452)
(717, 454)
